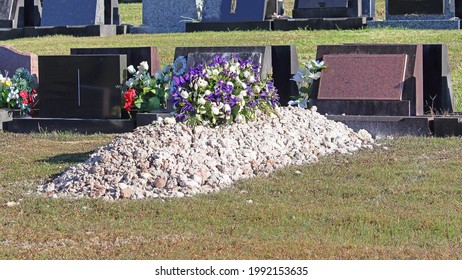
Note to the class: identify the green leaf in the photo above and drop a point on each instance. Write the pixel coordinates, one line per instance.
(304, 90)
(154, 102)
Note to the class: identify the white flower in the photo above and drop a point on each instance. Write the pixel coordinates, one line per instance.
(130, 82)
(158, 75)
(239, 119)
(215, 110)
(169, 120)
(207, 93)
(252, 79)
(215, 72)
(185, 94)
(138, 75)
(143, 66)
(244, 85)
(317, 64)
(201, 101)
(230, 84)
(202, 83)
(227, 108)
(131, 69)
(314, 76)
(243, 93)
(232, 69)
(246, 74)
(257, 89)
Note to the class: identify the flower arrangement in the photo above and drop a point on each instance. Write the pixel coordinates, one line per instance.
(146, 92)
(222, 92)
(304, 79)
(18, 92)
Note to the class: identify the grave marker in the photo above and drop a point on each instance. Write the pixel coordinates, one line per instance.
(160, 16)
(234, 10)
(81, 86)
(65, 12)
(327, 9)
(20, 13)
(12, 59)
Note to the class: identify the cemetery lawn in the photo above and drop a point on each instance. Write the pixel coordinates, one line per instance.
(402, 200)
(399, 202)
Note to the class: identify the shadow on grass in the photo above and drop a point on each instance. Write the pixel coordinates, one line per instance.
(67, 158)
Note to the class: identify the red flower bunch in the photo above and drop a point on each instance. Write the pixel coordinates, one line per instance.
(25, 97)
(129, 95)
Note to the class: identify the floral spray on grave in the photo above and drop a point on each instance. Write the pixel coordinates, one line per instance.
(222, 92)
(305, 79)
(147, 93)
(19, 92)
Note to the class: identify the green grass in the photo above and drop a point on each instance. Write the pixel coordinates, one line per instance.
(402, 202)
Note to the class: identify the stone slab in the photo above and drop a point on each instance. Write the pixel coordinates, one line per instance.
(6, 8)
(368, 8)
(147, 118)
(413, 81)
(12, 59)
(438, 91)
(364, 107)
(85, 126)
(319, 24)
(363, 77)
(76, 31)
(234, 10)
(419, 9)
(81, 86)
(228, 26)
(387, 126)
(447, 126)
(285, 64)
(5, 117)
(160, 16)
(135, 55)
(72, 13)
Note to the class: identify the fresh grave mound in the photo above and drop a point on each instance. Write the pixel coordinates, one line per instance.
(161, 161)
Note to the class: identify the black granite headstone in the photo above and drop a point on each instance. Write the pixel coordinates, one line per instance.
(81, 86)
(65, 12)
(135, 55)
(415, 7)
(327, 8)
(20, 13)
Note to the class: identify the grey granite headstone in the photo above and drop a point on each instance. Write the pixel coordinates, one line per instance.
(66, 12)
(160, 16)
(234, 10)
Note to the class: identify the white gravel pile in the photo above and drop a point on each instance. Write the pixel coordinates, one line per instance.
(162, 161)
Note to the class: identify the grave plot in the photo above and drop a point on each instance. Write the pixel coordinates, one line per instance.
(27, 18)
(420, 14)
(385, 89)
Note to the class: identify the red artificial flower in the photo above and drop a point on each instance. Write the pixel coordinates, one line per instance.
(129, 95)
(23, 94)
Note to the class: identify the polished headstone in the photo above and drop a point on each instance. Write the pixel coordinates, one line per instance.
(12, 59)
(363, 77)
(81, 86)
(234, 10)
(413, 87)
(368, 7)
(327, 9)
(135, 55)
(65, 12)
(419, 9)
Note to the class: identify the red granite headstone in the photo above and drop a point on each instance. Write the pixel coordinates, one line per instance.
(12, 59)
(363, 77)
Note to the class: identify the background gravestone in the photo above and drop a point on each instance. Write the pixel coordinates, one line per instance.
(66, 12)
(160, 16)
(81, 86)
(419, 14)
(20, 13)
(135, 55)
(234, 10)
(368, 8)
(12, 59)
(327, 9)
